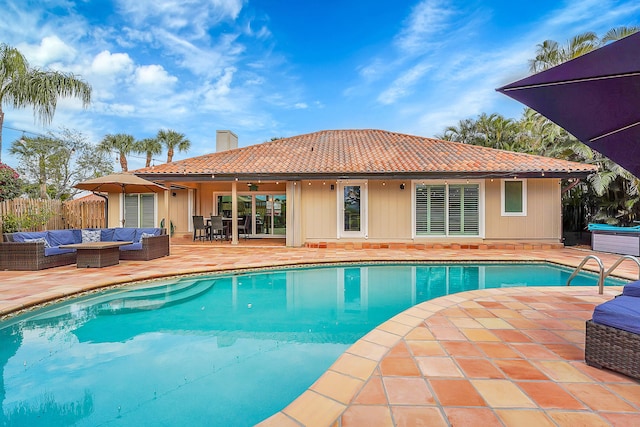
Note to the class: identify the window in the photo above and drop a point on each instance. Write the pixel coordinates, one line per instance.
(430, 210)
(447, 209)
(514, 197)
(139, 210)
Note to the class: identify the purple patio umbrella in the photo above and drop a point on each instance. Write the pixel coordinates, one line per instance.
(595, 97)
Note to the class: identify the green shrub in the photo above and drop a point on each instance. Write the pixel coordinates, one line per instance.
(32, 219)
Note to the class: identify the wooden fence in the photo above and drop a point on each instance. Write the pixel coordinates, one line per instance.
(39, 215)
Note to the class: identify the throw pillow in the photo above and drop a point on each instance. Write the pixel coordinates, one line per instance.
(145, 235)
(90, 236)
(39, 239)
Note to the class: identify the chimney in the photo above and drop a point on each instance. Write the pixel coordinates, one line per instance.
(226, 140)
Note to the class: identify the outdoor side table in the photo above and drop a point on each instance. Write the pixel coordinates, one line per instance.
(97, 254)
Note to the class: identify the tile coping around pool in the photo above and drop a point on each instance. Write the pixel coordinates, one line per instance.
(402, 367)
(505, 350)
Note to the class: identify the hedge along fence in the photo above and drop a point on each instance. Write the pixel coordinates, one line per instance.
(39, 215)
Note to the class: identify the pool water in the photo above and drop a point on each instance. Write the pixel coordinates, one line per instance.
(227, 350)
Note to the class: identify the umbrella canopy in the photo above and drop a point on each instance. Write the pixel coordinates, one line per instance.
(595, 97)
(120, 182)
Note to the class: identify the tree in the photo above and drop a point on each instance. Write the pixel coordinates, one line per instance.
(21, 86)
(492, 130)
(549, 53)
(123, 143)
(34, 154)
(77, 160)
(173, 141)
(9, 183)
(150, 147)
(466, 132)
(52, 164)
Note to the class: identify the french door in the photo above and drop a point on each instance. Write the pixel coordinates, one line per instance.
(352, 209)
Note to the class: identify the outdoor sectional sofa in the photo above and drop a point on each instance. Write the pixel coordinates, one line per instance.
(613, 334)
(41, 249)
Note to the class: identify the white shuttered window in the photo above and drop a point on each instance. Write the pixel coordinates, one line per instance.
(447, 209)
(430, 210)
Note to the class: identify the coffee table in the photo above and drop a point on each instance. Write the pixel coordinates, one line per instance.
(96, 254)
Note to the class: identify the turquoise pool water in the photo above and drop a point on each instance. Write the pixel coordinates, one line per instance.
(226, 350)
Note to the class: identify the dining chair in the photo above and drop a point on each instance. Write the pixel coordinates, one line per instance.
(245, 226)
(217, 228)
(200, 230)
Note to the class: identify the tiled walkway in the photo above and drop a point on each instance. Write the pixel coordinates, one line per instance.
(503, 357)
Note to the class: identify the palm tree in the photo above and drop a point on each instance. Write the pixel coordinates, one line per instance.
(550, 53)
(150, 147)
(173, 141)
(21, 85)
(492, 130)
(466, 132)
(122, 143)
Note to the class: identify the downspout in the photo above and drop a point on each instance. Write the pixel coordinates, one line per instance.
(106, 208)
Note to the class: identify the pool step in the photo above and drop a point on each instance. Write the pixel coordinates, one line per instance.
(121, 300)
(152, 298)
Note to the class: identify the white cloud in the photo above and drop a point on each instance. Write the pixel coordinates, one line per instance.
(402, 85)
(114, 108)
(216, 95)
(428, 18)
(50, 50)
(223, 85)
(301, 106)
(193, 17)
(154, 76)
(107, 63)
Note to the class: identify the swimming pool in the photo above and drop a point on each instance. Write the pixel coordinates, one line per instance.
(218, 349)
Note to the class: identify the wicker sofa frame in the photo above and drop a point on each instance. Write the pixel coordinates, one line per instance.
(612, 348)
(152, 248)
(30, 256)
(23, 256)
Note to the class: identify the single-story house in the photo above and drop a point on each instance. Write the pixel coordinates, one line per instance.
(361, 187)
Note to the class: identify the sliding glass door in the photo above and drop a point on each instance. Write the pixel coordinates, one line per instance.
(271, 212)
(267, 213)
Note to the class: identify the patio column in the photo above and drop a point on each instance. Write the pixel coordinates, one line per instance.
(167, 208)
(234, 213)
(294, 224)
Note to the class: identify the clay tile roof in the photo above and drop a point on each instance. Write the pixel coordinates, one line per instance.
(366, 152)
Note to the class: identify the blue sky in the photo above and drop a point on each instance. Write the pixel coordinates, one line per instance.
(265, 68)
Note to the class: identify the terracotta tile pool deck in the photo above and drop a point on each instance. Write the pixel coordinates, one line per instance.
(494, 357)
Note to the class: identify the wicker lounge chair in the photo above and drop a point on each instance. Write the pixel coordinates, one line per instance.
(613, 335)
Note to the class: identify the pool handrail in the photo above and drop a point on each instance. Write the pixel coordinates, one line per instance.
(602, 274)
